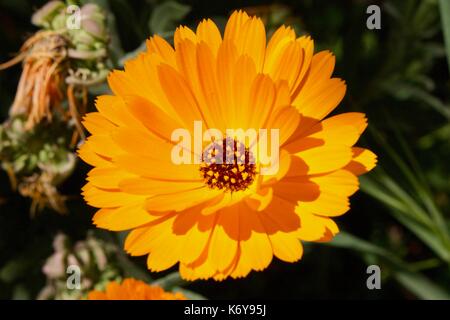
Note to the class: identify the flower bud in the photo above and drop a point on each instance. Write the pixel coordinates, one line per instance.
(44, 16)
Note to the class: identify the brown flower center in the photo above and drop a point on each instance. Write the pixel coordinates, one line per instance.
(228, 165)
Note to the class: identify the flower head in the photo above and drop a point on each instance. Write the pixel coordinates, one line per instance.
(218, 207)
(132, 289)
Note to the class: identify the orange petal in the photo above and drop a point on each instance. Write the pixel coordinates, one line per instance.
(153, 187)
(325, 158)
(108, 198)
(122, 218)
(363, 161)
(208, 32)
(89, 156)
(233, 29)
(223, 248)
(154, 119)
(314, 228)
(96, 123)
(107, 178)
(322, 98)
(185, 199)
(280, 39)
(161, 47)
(286, 246)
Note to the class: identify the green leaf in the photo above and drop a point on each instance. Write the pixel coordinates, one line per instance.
(407, 214)
(426, 235)
(14, 269)
(21, 292)
(393, 201)
(165, 16)
(445, 20)
(173, 282)
(170, 281)
(415, 282)
(414, 206)
(421, 286)
(348, 241)
(189, 294)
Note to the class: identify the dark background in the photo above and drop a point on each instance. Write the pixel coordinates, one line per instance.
(379, 66)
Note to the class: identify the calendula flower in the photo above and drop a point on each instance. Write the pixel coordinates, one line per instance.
(221, 220)
(132, 289)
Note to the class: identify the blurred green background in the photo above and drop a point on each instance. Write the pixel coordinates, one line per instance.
(398, 76)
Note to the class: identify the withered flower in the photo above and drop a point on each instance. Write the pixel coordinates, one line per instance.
(59, 62)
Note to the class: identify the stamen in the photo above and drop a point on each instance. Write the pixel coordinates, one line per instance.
(232, 170)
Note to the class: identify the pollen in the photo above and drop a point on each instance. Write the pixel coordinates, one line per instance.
(232, 170)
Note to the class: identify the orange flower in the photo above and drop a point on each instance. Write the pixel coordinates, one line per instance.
(221, 220)
(132, 289)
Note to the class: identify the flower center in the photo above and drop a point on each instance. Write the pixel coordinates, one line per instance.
(232, 170)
